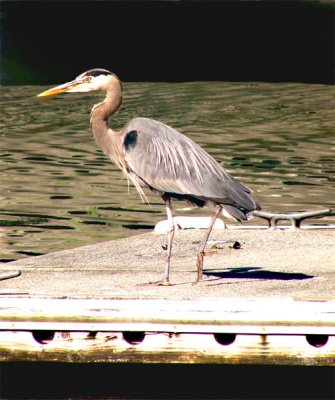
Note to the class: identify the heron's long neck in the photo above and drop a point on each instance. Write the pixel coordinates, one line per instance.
(102, 111)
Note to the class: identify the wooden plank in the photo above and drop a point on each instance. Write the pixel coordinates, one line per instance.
(206, 331)
(166, 348)
(275, 312)
(282, 316)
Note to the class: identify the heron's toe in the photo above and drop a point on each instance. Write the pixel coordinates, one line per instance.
(162, 282)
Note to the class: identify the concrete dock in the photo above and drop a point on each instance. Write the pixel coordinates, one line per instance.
(268, 299)
(297, 264)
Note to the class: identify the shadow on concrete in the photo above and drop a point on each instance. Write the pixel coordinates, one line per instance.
(255, 273)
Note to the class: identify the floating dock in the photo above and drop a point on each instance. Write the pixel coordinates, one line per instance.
(267, 297)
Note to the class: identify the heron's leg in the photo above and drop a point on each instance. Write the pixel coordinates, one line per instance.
(170, 234)
(165, 281)
(200, 255)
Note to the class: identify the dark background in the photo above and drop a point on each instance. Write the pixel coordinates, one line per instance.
(45, 42)
(170, 382)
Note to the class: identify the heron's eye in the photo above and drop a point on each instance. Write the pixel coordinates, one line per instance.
(88, 79)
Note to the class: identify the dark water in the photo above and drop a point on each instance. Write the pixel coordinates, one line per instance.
(59, 191)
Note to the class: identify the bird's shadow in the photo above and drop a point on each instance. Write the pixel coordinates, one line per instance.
(255, 273)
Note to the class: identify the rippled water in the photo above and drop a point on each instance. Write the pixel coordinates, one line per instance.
(59, 191)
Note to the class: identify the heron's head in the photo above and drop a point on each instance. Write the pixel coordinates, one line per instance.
(94, 79)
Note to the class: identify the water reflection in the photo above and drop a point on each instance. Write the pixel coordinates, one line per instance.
(59, 191)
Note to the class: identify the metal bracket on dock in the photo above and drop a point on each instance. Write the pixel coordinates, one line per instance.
(294, 217)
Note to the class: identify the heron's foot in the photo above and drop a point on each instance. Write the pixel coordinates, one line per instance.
(199, 278)
(162, 282)
(200, 263)
(196, 281)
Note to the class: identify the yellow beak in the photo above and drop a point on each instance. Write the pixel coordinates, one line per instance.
(60, 89)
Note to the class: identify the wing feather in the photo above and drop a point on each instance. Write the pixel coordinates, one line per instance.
(169, 162)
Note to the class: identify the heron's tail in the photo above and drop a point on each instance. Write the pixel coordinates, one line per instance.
(239, 213)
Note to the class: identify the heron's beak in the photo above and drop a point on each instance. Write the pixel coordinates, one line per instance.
(65, 87)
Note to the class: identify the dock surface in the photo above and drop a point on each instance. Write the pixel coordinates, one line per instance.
(268, 300)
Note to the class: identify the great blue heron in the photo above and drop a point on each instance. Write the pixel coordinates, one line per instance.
(156, 156)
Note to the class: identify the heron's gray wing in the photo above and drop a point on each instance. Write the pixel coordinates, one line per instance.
(168, 161)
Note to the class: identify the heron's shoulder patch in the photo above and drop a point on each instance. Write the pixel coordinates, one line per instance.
(130, 140)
